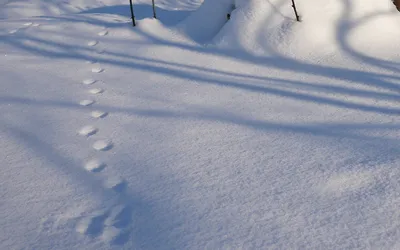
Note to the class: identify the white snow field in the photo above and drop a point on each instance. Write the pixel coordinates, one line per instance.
(194, 132)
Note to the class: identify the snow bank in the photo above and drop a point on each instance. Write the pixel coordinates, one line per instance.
(259, 26)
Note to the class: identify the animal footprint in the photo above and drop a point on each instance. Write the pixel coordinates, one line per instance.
(94, 166)
(89, 81)
(88, 130)
(102, 145)
(117, 184)
(92, 43)
(103, 33)
(97, 70)
(92, 225)
(86, 102)
(96, 91)
(118, 216)
(98, 114)
(111, 226)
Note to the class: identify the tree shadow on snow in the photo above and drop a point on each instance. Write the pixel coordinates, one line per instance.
(316, 92)
(142, 11)
(141, 222)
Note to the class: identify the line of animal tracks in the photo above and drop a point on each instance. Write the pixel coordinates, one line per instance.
(110, 225)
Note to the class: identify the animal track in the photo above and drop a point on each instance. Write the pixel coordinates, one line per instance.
(102, 145)
(112, 226)
(98, 114)
(97, 70)
(117, 216)
(96, 91)
(94, 165)
(88, 130)
(117, 184)
(86, 102)
(103, 33)
(92, 43)
(89, 81)
(92, 225)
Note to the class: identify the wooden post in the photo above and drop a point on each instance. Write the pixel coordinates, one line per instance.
(132, 14)
(295, 11)
(154, 10)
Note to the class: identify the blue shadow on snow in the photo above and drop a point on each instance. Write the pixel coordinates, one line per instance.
(142, 11)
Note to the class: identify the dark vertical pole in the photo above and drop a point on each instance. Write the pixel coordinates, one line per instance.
(295, 11)
(154, 10)
(132, 15)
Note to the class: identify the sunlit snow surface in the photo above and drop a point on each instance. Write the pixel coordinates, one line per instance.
(195, 132)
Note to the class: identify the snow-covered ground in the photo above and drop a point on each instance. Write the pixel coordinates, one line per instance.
(194, 132)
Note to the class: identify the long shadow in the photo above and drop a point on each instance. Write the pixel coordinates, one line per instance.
(142, 11)
(206, 79)
(212, 76)
(321, 129)
(346, 26)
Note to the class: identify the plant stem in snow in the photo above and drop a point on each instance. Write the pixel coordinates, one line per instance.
(132, 14)
(295, 11)
(154, 10)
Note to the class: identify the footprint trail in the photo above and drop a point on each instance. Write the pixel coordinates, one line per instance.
(112, 225)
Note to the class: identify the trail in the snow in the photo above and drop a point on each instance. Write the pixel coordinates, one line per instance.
(111, 226)
(209, 147)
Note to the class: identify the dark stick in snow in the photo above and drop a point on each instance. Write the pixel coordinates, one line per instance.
(132, 14)
(154, 10)
(295, 11)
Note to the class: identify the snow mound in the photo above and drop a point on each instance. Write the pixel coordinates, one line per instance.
(261, 27)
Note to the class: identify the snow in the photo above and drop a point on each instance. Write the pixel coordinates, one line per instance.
(195, 132)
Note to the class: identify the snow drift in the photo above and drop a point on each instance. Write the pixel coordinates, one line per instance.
(260, 26)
